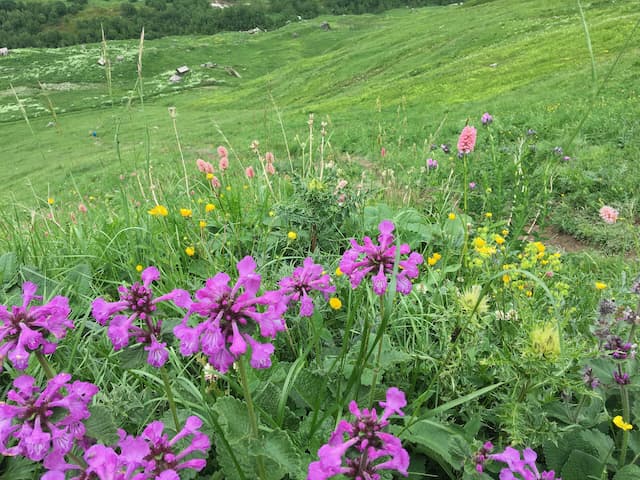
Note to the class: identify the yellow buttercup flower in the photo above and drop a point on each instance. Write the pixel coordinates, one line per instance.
(138, 268)
(186, 212)
(619, 422)
(499, 239)
(433, 259)
(339, 272)
(228, 188)
(202, 224)
(452, 216)
(488, 214)
(600, 285)
(50, 201)
(272, 213)
(209, 207)
(209, 176)
(190, 251)
(292, 235)
(335, 303)
(159, 210)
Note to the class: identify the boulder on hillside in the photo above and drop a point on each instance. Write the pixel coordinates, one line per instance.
(325, 26)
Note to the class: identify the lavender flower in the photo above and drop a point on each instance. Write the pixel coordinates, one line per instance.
(230, 319)
(138, 299)
(621, 378)
(432, 164)
(619, 349)
(589, 378)
(31, 421)
(378, 261)
(526, 467)
(445, 148)
(367, 448)
(27, 328)
(303, 281)
(482, 455)
(486, 119)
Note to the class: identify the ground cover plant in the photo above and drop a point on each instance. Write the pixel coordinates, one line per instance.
(276, 305)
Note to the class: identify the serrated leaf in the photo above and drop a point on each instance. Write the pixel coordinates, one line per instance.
(628, 472)
(581, 466)
(601, 444)
(434, 438)
(310, 387)
(8, 267)
(17, 468)
(101, 426)
(228, 466)
(32, 274)
(133, 357)
(79, 278)
(279, 455)
(233, 418)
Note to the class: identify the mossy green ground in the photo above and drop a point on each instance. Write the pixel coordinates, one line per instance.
(401, 79)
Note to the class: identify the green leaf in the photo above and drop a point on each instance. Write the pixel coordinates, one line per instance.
(79, 278)
(17, 468)
(8, 268)
(628, 472)
(279, 455)
(466, 398)
(101, 426)
(233, 418)
(581, 466)
(133, 357)
(434, 438)
(601, 444)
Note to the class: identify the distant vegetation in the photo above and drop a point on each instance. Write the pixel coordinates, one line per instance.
(57, 24)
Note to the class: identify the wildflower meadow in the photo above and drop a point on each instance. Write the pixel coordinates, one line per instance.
(283, 309)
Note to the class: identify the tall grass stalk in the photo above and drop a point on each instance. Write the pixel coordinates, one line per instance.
(104, 52)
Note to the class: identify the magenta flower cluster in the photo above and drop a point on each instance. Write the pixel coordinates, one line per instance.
(138, 301)
(304, 280)
(525, 468)
(231, 316)
(152, 455)
(26, 329)
(366, 449)
(44, 424)
(378, 261)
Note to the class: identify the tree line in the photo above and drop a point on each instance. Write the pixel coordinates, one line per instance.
(57, 24)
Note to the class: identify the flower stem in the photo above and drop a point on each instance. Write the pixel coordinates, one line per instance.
(170, 399)
(262, 474)
(44, 363)
(625, 434)
(376, 369)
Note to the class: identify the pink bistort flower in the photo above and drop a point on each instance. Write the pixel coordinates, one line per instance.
(467, 140)
(249, 172)
(204, 166)
(609, 214)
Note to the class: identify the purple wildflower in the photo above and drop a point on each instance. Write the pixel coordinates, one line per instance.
(525, 467)
(482, 455)
(151, 455)
(31, 421)
(621, 378)
(445, 148)
(138, 299)
(619, 349)
(303, 281)
(589, 378)
(230, 319)
(566, 158)
(486, 119)
(472, 185)
(432, 164)
(25, 329)
(378, 261)
(367, 449)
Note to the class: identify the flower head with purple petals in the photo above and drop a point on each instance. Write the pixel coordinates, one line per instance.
(302, 282)
(377, 261)
(138, 300)
(367, 448)
(526, 467)
(231, 317)
(152, 455)
(38, 423)
(26, 328)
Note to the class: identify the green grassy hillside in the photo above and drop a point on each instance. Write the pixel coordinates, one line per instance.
(405, 79)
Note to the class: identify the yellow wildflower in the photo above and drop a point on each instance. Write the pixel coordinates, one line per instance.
(488, 214)
(202, 224)
(228, 188)
(499, 239)
(272, 213)
(452, 216)
(186, 212)
(506, 278)
(50, 201)
(619, 422)
(600, 285)
(209, 207)
(292, 235)
(505, 232)
(209, 176)
(339, 272)
(159, 210)
(138, 268)
(190, 251)
(335, 303)
(433, 259)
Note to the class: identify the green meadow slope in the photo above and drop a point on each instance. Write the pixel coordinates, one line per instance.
(400, 78)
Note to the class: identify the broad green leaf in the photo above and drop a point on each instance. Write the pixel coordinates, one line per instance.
(581, 466)
(79, 278)
(101, 426)
(8, 268)
(434, 438)
(628, 472)
(17, 468)
(233, 418)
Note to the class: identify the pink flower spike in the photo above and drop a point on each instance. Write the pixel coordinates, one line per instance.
(223, 163)
(222, 151)
(467, 140)
(269, 158)
(249, 172)
(609, 214)
(204, 166)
